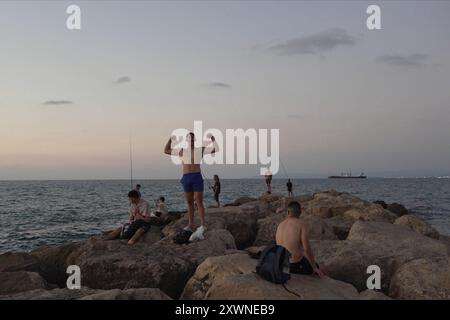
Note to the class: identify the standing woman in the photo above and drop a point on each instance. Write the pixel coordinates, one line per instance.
(216, 189)
(268, 178)
(192, 179)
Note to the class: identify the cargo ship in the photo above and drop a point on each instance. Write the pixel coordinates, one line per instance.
(349, 176)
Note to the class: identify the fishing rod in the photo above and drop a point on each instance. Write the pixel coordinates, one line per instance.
(206, 179)
(131, 165)
(284, 169)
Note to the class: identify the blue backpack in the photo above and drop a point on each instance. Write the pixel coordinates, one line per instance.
(273, 264)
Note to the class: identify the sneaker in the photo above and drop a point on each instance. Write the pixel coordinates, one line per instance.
(198, 234)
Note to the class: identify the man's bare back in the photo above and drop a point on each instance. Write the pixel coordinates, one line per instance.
(293, 234)
(289, 235)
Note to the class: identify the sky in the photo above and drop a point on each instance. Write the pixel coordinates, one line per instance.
(344, 98)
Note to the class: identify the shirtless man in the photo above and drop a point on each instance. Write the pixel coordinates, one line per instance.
(292, 234)
(192, 179)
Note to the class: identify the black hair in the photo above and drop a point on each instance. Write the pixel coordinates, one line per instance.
(133, 194)
(138, 186)
(162, 199)
(295, 208)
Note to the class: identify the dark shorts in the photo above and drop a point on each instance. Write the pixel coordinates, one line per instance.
(192, 182)
(129, 230)
(216, 197)
(302, 267)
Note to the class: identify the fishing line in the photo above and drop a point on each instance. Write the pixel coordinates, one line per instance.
(284, 169)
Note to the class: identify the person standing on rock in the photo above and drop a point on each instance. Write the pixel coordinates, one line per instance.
(293, 235)
(289, 188)
(268, 178)
(138, 189)
(216, 190)
(192, 179)
(139, 215)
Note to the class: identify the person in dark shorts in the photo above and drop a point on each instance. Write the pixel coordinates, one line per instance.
(192, 180)
(216, 190)
(293, 234)
(268, 178)
(289, 188)
(139, 220)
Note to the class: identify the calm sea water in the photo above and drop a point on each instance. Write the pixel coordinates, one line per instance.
(36, 213)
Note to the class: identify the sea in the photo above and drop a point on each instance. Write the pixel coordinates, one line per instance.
(38, 213)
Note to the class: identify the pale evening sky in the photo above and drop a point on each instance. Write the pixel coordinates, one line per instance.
(344, 98)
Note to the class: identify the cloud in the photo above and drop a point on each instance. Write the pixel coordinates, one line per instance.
(317, 43)
(412, 60)
(123, 79)
(57, 102)
(219, 85)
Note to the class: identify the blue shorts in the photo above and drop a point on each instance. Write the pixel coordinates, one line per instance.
(192, 182)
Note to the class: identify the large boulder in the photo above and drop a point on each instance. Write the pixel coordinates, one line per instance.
(422, 279)
(267, 227)
(164, 264)
(418, 225)
(340, 225)
(233, 277)
(371, 212)
(332, 203)
(240, 201)
(19, 281)
(52, 261)
(374, 243)
(240, 221)
(18, 261)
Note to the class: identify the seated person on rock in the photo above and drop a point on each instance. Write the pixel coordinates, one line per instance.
(139, 220)
(161, 208)
(292, 234)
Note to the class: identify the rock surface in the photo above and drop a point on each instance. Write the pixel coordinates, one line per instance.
(164, 265)
(233, 277)
(130, 294)
(19, 281)
(374, 243)
(348, 235)
(373, 295)
(18, 261)
(89, 294)
(240, 221)
(417, 225)
(422, 279)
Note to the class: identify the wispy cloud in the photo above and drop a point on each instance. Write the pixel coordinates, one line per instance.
(219, 85)
(57, 102)
(412, 60)
(122, 80)
(317, 43)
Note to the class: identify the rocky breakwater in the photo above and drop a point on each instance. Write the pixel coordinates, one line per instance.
(348, 235)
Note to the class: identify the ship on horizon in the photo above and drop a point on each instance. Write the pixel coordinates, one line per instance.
(349, 176)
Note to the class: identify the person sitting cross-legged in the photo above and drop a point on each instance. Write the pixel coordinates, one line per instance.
(139, 220)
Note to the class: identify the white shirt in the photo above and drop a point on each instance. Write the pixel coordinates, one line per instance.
(142, 207)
